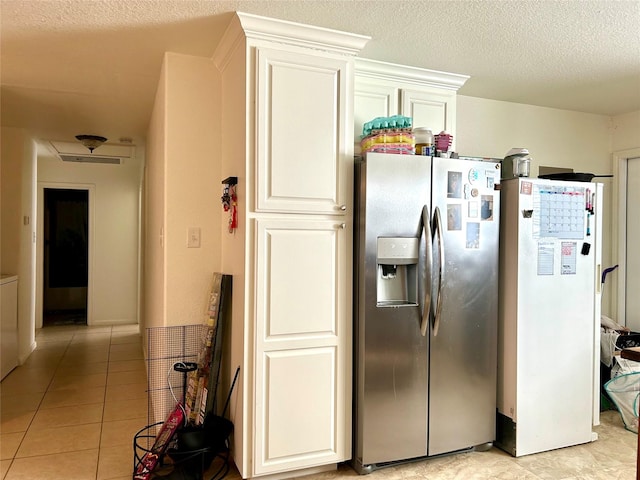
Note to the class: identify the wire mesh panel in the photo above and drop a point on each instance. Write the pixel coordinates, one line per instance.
(183, 373)
(167, 346)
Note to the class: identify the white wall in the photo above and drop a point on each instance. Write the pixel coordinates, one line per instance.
(153, 285)
(235, 159)
(17, 213)
(559, 138)
(193, 186)
(626, 131)
(556, 138)
(183, 191)
(13, 141)
(114, 271)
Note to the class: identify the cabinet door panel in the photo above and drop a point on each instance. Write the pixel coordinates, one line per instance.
(433, 109)
(301, 139)
(372, 101)
(300, 279)
(299, 415)
(303, 343)
(300, 270)
(9, 327)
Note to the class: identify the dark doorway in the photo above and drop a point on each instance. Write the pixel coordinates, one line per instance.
(66, 256)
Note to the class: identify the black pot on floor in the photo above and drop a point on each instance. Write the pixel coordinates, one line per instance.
(197, 446)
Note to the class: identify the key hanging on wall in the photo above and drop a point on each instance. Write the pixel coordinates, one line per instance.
(233, 216)
(230, 202)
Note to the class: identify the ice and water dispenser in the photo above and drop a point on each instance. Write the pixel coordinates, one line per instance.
(397, 261)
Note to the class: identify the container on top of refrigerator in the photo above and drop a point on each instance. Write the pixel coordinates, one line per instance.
(378, 124)
(443, 142)
(388, 135)
(516, 163)
(424, 141)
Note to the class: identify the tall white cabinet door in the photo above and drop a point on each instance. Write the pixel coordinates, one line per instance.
(303, 344)
(302, 142)
(432, 108)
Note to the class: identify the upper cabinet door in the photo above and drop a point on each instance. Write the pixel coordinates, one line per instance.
(304, 140)
(430, 107)
(371, 101)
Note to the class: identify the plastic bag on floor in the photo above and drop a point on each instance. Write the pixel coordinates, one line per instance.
(623, 366)
(624, 390)
(608, 340)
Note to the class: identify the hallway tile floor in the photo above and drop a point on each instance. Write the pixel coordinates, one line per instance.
(72, 410)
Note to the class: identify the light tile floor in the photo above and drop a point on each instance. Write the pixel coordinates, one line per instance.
(72, 410)
(611, 457)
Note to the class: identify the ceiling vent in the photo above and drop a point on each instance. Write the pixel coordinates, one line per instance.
(108, 154)
(90, 159)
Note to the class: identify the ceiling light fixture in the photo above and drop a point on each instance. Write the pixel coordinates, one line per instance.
(91, 141)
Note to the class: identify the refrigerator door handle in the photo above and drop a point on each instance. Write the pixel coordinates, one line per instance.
(437, 227)
(428, 266)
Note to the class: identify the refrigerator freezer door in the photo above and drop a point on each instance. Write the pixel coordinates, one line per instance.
(462, 378)
(391, 354)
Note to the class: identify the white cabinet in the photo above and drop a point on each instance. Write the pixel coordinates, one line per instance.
(302, 364)
(302, 144)
(373, 100)
(385, 89)
(430, 107)
(8, 324)
(287, 117)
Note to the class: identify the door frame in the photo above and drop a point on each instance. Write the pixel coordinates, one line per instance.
(619, 230)
(90, 188)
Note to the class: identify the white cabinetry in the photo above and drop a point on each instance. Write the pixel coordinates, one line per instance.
(287, 116)
(302, 362)
(301, 107)
(385, 89)
(8, 324)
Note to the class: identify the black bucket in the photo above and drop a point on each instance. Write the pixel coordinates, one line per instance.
(197, 446)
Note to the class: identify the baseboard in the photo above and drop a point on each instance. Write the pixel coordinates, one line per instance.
(109, 323)
(298, 473)
(23, 358)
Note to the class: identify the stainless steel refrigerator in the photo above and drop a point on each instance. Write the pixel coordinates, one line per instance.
(426, 310)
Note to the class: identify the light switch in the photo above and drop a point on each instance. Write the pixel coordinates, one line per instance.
(193, 240)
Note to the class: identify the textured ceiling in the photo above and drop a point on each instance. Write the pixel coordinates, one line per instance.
(80, 66)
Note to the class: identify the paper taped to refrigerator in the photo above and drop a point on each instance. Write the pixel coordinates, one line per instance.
(545, 258)
(568, 266)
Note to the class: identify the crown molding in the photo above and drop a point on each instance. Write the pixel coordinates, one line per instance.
(365, 68)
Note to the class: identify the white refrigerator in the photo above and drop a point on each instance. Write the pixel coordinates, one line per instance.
(549, 314)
